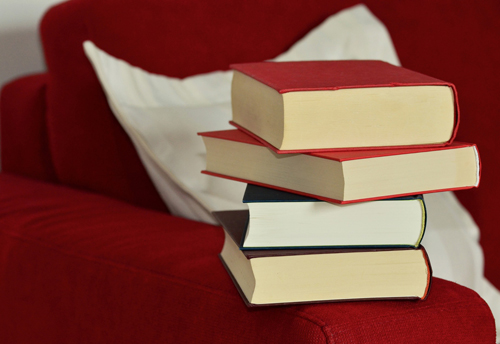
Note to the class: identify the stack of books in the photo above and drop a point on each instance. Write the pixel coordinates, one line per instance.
(337, 155)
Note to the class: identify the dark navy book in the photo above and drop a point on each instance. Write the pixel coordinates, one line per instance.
(279, 219)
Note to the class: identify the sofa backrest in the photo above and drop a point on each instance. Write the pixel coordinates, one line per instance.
(453, 41)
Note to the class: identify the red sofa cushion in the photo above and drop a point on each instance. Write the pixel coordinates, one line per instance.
(104, 271)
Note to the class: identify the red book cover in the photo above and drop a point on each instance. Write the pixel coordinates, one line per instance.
(333, 75)
(287, 77)
(239, 136)
(344, 155)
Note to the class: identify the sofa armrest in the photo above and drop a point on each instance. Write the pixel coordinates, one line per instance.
(79, 267)
(24, 138)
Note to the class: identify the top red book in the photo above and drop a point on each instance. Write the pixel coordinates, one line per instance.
(329, 105)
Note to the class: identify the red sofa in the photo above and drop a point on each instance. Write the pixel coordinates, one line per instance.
(89, 252)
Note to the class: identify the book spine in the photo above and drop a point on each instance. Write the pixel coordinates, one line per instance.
(429, 273)
(424, 221)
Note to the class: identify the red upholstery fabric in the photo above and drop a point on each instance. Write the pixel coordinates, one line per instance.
(448, 40)
(24, 137)
(99, 270)
(89, 148)
(81, 267)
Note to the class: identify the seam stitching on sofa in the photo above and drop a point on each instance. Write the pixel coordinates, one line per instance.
(391, 318)
(325, 328)
(328, 328)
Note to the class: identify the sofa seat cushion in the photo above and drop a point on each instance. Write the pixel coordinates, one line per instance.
(102, 270)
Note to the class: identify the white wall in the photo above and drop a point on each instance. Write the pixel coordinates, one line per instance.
(20, 49)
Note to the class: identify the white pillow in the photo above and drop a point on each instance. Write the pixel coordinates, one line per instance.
(162, 116)
(451, 240)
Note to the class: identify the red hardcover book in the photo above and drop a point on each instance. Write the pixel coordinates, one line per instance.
(330, 105)
(274, 277)
(343, 176)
